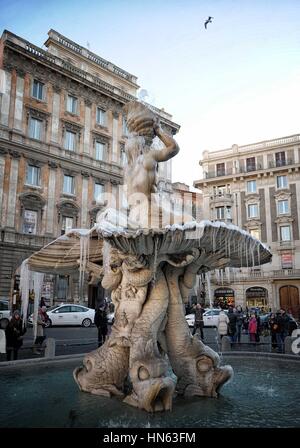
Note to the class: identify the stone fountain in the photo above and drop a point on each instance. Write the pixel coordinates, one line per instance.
(151, 257)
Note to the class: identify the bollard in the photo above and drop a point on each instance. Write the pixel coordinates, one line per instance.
(226, 344)
(50, 348)
(288, 345)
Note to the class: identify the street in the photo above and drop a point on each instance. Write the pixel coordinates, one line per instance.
(72, 340)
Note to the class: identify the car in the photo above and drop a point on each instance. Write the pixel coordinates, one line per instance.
(5, 314)
(210, 317)
(69, 314)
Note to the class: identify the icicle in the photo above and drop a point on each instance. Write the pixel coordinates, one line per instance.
(155, 257)
(209, 288)
(24, 290)
(38, 279)
(84, 251)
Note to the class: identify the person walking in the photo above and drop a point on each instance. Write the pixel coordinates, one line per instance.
(199, 323)
(273, 330)
(222, 326)
(282, 320)
(232, 330)
(14, 335)
(258, 327)
(40, 337)
(239, 325)
(252, 328)
(100, 321)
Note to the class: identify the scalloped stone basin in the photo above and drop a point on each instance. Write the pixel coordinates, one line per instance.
(265, 392)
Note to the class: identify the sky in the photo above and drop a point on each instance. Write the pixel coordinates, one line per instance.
(236, 82)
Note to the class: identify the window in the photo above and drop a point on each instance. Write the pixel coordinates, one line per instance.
(33, 175)
(38, 90)
(70, 141)
(124, 126)
(280, 158)
(285, 233)
(287, 260)
(251, 186)
(228, 213)
(220, 212)
(63, 309)
(98, 191)
(252, 211)
(123, 157)
(255, 233)
(99, 150)
(35, 128)
(282, 207)
(250, 164)
(72, 104)
(67, 224)
(68, 184)
(100, 116)
(30, 222)
(220, 167)
(282, 182)
(223, 213)
(220, 190)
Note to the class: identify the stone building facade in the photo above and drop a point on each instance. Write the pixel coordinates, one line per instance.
(257, 187)
(62, 137)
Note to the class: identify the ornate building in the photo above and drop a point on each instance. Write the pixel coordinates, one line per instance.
(62, 136)
(257, 187)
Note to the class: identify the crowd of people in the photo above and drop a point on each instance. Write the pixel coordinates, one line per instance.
(249, 322)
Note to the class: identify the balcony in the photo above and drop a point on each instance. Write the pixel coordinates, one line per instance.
(256, 274)
(22, 239)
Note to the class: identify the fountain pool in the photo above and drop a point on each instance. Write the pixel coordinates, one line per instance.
(264, 392)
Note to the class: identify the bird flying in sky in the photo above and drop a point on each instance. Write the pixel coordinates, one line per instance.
(208, 21)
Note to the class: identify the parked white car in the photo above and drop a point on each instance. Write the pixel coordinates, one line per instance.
(69, 315)
(4, 313)
(210, 317)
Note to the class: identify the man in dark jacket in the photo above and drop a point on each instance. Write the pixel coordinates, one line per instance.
(232, 330)
(199, 323)
(14, 335)
(100, 321)
(282, 320)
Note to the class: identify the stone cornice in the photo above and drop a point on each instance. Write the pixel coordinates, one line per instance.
(284, 219)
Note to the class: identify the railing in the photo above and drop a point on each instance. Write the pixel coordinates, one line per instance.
(235, 277)
(222, 196)
(249, 169)
(24, 239)
(91, 56)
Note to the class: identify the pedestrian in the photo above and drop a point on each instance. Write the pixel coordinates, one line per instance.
(282, 320)
(246, 323)
(239, 325)
(100, 321)
(273, 330)
(222, 326)
(252, 328)
(40, 337)
(199, 323)
(232, 330)
(258, 327)
(14, 335)
(42, 302)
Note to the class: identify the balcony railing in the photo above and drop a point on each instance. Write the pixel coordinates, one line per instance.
(252, 168)
(256, 274)
(37, 241)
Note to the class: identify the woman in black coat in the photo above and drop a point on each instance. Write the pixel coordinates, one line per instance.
(101, 323)
(14, 335)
